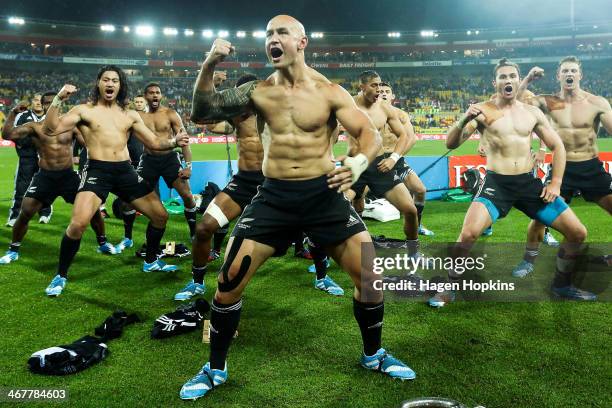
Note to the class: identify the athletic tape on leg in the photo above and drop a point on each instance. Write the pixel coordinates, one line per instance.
(214, 211)
(228, 285)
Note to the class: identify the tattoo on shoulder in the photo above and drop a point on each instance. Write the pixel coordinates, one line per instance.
(222, 105)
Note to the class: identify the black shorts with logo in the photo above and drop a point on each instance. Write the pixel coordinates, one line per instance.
(47, 185)
(401, 168)
(152, 167)
(378, 182)
(120, 178)
(282, 207)
(243, 186)
(499, 193)
(587, 177)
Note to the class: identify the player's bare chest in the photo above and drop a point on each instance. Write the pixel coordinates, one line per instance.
(513, 122)
(378, 117)
(302, 108)
(576, 115)
(159, 123)
(62, 139)
(103, 120)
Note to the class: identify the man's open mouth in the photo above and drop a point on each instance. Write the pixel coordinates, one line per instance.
(276, 52)
(569, 81)
(508, 89)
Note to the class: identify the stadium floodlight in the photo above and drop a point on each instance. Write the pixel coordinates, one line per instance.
(428, 33)
(394, 34)
(207, 34)
(223, 33)
(188, 32)
(126, 29)
(259, 34)
(144, 30)
(240, 34)
(476, 32)
(16, 20)
(513, 31)
(109, 28)
(317, 35)
(595, 27)
(469, 32)
(170, 31)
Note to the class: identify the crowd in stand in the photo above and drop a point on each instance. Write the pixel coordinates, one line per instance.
(331, 55)
(433, 96)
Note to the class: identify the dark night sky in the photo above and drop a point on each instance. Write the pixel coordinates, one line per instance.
(318, 15)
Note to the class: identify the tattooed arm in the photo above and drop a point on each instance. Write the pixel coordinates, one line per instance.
(208, 106)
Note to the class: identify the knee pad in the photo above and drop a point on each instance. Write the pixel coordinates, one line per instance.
(214, 211)
(228, 285)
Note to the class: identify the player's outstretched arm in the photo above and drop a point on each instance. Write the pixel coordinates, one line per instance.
(150, 140)
(394, 122)
(178, 128)
(361, 128)
(412, 139)
(605, 117)
(553, 141)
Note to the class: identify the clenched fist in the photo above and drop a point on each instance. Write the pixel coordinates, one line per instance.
(66, 91)
(472, 112)
(182, 139)
(535, 73)
(220, 49)
(21, 107)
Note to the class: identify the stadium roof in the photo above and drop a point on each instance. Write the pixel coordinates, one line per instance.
(321, 15)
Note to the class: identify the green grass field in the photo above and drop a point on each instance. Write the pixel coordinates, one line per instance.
(299, 347)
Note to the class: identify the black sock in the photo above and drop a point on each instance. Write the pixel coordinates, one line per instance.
(190, 216)
(198, 273)
(68, 249)
(14, 246)
(224, 321)
(530, 254)
(154, 237)
(370, 320)
(128, 223)
(218, 238)
(101, 239)
(319, 259)
(413, 246)
(420, 207)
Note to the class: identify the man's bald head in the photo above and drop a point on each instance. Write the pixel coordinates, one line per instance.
(291, 23)
(285, 41)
